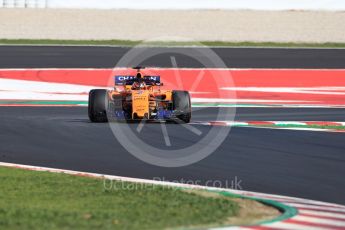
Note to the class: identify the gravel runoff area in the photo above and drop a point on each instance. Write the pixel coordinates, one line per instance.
(171, 25)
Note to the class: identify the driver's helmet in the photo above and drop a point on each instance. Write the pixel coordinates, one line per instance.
(139, 76)
(138, 82)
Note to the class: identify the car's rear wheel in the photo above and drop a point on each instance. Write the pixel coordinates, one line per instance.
(182, 106)
(97, 107)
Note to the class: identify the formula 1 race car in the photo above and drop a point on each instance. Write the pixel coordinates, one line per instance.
(141, 98)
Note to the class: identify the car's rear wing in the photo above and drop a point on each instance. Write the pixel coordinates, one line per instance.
(129, 80)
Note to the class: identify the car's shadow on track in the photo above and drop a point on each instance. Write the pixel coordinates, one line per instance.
(121, 122)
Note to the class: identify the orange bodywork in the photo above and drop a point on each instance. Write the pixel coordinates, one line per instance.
(140, 103)
(142, 100)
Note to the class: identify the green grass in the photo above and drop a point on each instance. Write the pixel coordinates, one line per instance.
(43, 200)
(171, 43)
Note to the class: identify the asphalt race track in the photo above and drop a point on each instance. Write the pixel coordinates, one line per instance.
(107, 57)
(296, 163)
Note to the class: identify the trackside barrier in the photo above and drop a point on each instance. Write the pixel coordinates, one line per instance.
(334, 5)
(24, 3)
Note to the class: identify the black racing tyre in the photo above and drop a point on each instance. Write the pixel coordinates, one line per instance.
(182, 106)
(97, 105)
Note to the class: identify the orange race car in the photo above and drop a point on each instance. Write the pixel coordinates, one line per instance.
(141, 98)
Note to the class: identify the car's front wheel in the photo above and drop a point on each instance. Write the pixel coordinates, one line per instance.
(97, 107)
(182, 106)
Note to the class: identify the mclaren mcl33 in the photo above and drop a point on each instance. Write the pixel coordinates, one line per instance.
(139, 97)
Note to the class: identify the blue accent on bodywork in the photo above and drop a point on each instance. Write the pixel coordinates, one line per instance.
(164, 114)
(129, 80)
(123, 79)
(119, 114)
